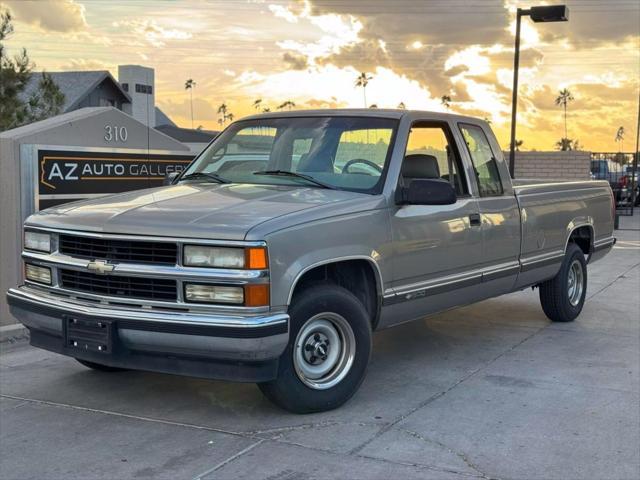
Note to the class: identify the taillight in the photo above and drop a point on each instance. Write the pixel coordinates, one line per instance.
(613, 204)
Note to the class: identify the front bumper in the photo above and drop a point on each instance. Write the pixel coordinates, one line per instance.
(239, 348)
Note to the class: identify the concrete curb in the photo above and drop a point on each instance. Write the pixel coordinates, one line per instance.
(13, 333)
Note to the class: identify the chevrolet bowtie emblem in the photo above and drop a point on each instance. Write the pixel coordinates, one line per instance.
(100, 266)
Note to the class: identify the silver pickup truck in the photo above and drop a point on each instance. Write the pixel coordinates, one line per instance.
(291, 238)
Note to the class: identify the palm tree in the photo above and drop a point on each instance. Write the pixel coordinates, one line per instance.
(519, 144)
(189, 85)
(362, 81)
(445, 100)
(288, 104)
(266, 110)
(257, 103)
(220, 122)
(373, 105)
(565, 144)
(230, 116)
(402, 106)
(620, 137)
(222, 110)
(563, 98)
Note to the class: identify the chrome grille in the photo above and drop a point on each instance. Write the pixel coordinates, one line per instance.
(120, 286)
(158, 253)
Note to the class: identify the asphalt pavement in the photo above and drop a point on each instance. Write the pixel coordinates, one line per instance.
(492, 390)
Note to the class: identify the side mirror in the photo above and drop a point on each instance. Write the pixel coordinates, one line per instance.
(169, 178)
(427, 191)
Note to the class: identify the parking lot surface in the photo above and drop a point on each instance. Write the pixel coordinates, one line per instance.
(491, 390)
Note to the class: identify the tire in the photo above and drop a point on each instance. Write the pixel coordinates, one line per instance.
(99, 367)
(300, 386)
(561, 300)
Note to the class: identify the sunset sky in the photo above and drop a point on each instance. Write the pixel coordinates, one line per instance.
(311, 52)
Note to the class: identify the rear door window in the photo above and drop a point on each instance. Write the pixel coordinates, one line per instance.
(484, 161)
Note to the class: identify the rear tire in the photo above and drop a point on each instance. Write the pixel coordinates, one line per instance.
(328, 351)
(563, 296)
(100, 367)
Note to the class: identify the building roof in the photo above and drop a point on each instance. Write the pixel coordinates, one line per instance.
(187, 135)
(74, 85)
(163, 119)
(85, 127)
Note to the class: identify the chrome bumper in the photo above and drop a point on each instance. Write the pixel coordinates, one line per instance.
(156, 331)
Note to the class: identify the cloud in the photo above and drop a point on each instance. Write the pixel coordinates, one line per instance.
(154, 33)
(337, 87)
(179, 110)
(65, 16)
(296, 62)
(76, 64)
(284, 12)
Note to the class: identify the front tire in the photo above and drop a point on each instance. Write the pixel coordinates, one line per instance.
(328, 351)
(563, 296)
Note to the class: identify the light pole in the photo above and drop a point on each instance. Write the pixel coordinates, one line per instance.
(550, 13)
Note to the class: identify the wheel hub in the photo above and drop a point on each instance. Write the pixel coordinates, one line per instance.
(575, 283)
(324, 350)
(316, 348)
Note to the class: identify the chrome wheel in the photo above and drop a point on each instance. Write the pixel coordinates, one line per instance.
(324, 350)
(575, 283)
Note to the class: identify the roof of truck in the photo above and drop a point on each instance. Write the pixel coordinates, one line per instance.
(363, 112)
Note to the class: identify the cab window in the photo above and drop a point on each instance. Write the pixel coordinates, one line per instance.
(484, 161)
(431, 154)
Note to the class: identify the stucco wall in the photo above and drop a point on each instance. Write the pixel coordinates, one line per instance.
(573, 165)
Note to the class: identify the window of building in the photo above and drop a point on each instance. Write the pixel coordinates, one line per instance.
(140, 88)
(125, 87)
(484, 162)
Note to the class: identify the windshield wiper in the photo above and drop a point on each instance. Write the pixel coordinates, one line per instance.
(208, 175)
(286, 173)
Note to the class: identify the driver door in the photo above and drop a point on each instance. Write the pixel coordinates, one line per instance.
(437, 248)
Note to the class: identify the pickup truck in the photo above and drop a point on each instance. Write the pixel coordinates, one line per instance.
(291, 238)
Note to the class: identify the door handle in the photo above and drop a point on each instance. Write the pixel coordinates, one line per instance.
(475, 220)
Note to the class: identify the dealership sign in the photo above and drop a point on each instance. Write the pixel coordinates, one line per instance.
(81, 173)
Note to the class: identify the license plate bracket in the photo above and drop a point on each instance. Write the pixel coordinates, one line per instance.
(89, 334)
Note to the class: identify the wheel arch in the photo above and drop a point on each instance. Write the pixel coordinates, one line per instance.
(582, 234)
(328, 268)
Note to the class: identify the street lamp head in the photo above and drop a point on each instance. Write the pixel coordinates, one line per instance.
(549, 13)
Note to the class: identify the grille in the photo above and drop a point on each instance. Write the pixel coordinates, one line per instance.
(119, 286)
(122, 250)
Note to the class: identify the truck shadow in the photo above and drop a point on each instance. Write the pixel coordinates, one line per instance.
(409, 363)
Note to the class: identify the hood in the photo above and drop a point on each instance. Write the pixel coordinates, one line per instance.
(225, 212)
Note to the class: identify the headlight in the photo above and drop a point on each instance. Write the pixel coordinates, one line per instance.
(224, 257)
(37, 241)
(213, 294)
(37, 274)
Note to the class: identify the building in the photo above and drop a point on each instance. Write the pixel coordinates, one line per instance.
(139, 83)
(84, 89)
(133, 92)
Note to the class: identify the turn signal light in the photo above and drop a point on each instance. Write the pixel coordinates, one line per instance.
(256, 295)
(256, 258)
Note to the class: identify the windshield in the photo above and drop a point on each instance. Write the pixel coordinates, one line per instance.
(346, 153)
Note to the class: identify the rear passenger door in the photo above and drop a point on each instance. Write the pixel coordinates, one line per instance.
(498, 210)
